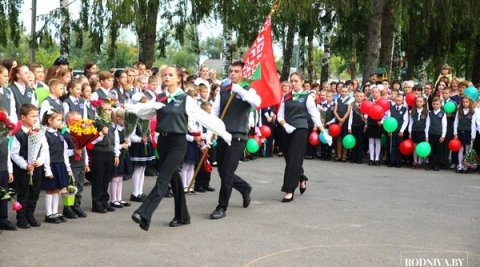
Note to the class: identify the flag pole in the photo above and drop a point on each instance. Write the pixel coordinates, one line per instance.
(274, 7)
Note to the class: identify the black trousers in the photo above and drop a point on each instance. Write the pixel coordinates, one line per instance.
(435, 156)
(101, 164)
(279, 137)
(310, 150)
(171, 150)
(27, 194)
(228, 158)
(4, 203)
(203, 177)
(294, 150)
(357, 150)
(395, 156)
(79, 175)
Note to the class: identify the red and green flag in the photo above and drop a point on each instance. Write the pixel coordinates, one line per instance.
(260, 68)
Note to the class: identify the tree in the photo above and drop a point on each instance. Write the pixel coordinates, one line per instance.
(373, 41)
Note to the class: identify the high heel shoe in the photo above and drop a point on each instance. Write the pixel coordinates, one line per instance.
(286, 200)
(302, 190)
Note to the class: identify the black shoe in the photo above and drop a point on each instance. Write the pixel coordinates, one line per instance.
(359, 162)
(390, 165)
(302, 190)
(150, 172)
(79, 212)
(23, 224)
(33, 222)
(99, 210)
(244, 159)
(246, 197)
(398, 166)
(435, 168)
(370, 163)
(286, 200)
(169, 194)
(175, 223)
(429, 167)
(137, 218)
(351, 161)
(116, 204)
(458, 171)
(200, 189)
(61, 217)
(210, 189)
(125, 203)
(136, 198)
(109, 208)
(52, 218)
(7, 225)
(218, 213)
(69, 213)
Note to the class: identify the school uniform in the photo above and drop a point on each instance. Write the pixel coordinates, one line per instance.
(400, 113)
(342, 104)
(121, 94)
(125, 163)
(75, 104)
(91, 113)
(102, 93)
(27, 194)
(50, 102)
(78, 171)
(436, 127)
(356, 124)
(328, 115)
(23, 95)
(7, 101)
(266, 113)
(464, 129)
(101, 166)
(59, 162)
(202, 181)
(417, 125)
(445, 162)
(6, 167)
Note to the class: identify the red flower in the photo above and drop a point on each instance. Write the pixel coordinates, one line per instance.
(97, 103)
(3, 117)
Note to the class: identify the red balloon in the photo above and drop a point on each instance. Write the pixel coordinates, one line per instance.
(313, 139)
(410, 99)
(406, 147)
(376, 112)
(384, 103)
(265, 131)
(454, 145)
(365, 106)
(153, 125)
(318, 99)
(334, 130)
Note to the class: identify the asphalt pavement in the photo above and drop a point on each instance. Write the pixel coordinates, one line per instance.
(350, 215)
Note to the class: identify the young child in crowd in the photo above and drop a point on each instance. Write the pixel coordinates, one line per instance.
(326, 113)
(416, 127)
(86, 93)
(341, 112)
(23, 171)
(192, 155)
(74, 100)
(124, 166)
(7, 101)
(57, 168)
(202, 182)
(373, 129)
(6, 176)
(356, 125)
(462, 130)
(53, 100)
(435, 130)
(400, 113)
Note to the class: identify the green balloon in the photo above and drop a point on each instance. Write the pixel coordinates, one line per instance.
(449, 108)
(390, 124)
(252, 145)
(155, 152)
(41, 93)
(383, 140)
(423, 149)
(348, 141)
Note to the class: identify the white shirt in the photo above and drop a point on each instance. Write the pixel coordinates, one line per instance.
(444, 123)
(43, 158)
(419, 115)
(311, 108)
(66, 158)
(13, 109)
(94, 95)
(46, 106)
(66, 107)
(472, 128)
(405, 117)
(350, 117)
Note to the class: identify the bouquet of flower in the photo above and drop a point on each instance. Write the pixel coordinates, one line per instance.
(68, 193)
(102, 116)
(35, 137)
(8, 194)
(470, 160)
(6, 127)
(144, 126)
(131, 120)
(82, 132)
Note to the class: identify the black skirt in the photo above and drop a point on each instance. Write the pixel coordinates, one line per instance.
(465, 137)
(124, 166)
(60, 177)
(418, 136)
(139, 157)
(374, 131)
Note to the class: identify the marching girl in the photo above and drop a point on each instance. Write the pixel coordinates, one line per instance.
(124, 166)
(139, 159)
(416, 127)
(464, 130)
(173, 109)
(373, 129)
(57, 166)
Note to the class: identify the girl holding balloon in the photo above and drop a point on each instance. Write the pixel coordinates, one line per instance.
(416, 127)
(464, 130)
(374, 131)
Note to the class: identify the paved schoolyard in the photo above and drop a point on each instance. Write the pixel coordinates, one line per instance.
(350, 215)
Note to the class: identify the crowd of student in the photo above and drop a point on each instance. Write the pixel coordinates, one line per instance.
(113, 156)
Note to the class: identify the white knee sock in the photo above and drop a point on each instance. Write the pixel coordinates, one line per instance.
(371, 148)
(460, 156)
(48, 204)
(190, 172)
(184, 174)
(136, 179)
(141, 180)
(119, 188)
(378, 147)
(55, 200)
(113, 190)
